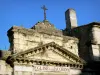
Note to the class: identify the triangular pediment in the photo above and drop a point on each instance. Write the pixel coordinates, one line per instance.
(50, 52)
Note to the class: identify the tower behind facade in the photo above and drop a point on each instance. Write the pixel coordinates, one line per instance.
(71, 20)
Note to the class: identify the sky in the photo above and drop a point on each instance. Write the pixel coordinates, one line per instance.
(27, 13)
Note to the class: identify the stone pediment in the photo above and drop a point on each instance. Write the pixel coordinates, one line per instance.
(49, 52)
(48, 55)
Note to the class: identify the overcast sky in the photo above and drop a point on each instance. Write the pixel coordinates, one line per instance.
(28, 12)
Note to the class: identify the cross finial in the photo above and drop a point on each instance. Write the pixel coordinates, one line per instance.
(44, 8)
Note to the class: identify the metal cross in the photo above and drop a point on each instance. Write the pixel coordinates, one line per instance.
(44, 8)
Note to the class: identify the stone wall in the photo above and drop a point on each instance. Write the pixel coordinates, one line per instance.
(89, 40)
(5, 68)
(84, 46)
(95, 34)
(96, 42)
(24, 39)
(23, 70)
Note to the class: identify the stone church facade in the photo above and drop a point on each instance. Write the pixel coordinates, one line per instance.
(46, 50)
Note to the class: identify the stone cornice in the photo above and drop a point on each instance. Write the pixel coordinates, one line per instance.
(47, 62)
